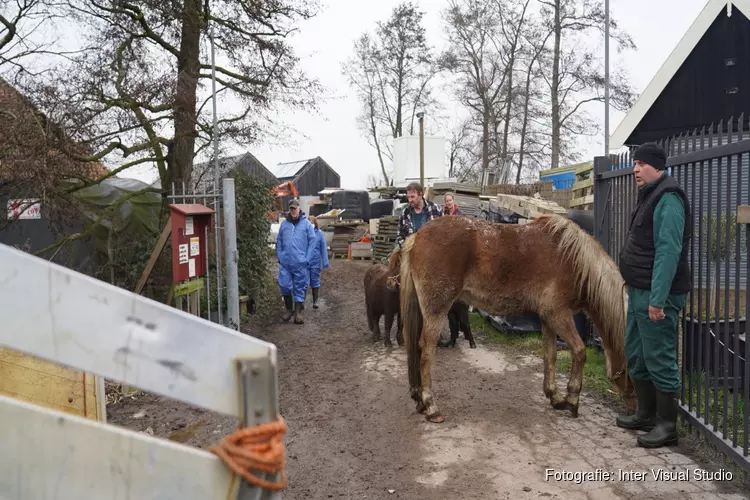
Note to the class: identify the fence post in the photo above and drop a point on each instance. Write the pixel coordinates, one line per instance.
(230, 254)
(601, 202)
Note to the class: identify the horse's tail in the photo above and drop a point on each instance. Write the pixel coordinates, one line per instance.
(599, 285)
(411, 316)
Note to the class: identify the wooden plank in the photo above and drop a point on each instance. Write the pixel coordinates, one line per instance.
(583, 184)
(743, 214)
(51, 385)
(90, 325)
(154, 256)
(584, 167)
(584, 200)
(48, 454)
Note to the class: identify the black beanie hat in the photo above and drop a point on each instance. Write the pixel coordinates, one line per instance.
(653, 154)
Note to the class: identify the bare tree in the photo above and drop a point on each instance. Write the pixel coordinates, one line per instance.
(140, 98)
(392, 73)
(23, 25)
(512, 25)
(575, 74)
(362, 73)
(474, 56)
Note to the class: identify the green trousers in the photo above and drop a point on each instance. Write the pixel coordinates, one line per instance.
(651, 346)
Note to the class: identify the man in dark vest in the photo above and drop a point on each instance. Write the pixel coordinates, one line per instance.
(654, 265)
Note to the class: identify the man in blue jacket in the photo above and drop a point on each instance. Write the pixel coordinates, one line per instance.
(295, 245)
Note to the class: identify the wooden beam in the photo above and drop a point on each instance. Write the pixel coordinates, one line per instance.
(87, 324)
(743, 214)
(50, 454)
(154, 256)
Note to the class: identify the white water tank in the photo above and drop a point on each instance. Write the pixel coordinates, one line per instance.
(406, 160)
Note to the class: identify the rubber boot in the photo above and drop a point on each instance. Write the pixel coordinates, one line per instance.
(645, 418)
(288, 312)
(298, 312)
(315, 292)
(664, 432)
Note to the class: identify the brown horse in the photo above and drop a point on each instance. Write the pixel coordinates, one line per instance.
(380, 300)
(549, 267)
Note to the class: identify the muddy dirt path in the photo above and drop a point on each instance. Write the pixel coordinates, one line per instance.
(354, 432)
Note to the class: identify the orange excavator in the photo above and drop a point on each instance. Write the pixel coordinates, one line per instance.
(279, 192)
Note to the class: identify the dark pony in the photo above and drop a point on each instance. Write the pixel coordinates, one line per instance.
(382, 300)
(549, 267)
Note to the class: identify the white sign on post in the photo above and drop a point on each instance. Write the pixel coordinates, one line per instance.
(183, 253)
(189, 226)
(191, 268)
(195, 244)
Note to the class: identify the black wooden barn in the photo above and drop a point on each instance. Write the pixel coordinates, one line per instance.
(699, 93)
(203, 173)
(705, 79)
(310, 176)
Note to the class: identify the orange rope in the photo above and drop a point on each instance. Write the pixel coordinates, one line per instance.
(260, 448)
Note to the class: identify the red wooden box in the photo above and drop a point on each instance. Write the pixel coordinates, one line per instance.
(189, 223)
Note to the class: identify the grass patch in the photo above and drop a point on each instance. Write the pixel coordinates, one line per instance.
(518, 342)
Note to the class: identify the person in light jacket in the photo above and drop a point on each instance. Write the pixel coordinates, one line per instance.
(295, 245)
(318, 261)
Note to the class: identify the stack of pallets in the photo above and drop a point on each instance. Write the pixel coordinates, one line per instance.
(385, 240)
(465, 195)
(343, 232)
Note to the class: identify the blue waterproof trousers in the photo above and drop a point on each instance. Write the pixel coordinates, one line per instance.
(294, 281)
(315, 277)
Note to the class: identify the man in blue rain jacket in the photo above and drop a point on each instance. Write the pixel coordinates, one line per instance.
(295, 245)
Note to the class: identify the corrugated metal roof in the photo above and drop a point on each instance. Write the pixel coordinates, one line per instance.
(282, 170)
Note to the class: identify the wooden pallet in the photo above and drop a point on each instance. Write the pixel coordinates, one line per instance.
(583, 189)
(529, 207)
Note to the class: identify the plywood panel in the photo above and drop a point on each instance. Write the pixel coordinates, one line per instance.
(50, 385)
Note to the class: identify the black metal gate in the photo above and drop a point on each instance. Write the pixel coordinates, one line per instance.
(713, 167)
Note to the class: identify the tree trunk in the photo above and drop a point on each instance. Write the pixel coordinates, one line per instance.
(188, 66)
(523, 127)
(374, 130)
(555, 89)
(485, 143)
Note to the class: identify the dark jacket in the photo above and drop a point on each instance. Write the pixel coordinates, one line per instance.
(637, 259)
(406, 224)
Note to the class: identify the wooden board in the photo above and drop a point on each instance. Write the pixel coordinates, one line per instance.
(743, 214)
(529, 207)
(48, 454)
(65, 317)
(51, 385)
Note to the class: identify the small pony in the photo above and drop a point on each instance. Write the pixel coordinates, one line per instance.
(382, 300)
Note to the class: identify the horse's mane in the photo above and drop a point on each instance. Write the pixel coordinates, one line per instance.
(599, 280)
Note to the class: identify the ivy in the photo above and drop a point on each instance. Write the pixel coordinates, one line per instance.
(253, 201)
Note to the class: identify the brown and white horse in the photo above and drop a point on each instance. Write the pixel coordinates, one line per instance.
(549, 267)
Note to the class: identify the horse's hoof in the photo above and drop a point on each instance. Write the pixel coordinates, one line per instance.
(437, 418)
(564, 405)
(473, 345)
(421, 409)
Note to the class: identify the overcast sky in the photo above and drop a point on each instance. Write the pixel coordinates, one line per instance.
(324, 42)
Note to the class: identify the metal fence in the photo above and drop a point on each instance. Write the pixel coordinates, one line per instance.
(712, 165)
(224, 259)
